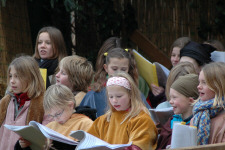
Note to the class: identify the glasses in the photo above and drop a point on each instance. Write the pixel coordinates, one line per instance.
(57, 116)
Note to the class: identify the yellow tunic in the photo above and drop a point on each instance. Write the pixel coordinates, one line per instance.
(76, 122)
(140, 130)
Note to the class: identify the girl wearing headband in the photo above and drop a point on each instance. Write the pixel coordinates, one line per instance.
(127, 116)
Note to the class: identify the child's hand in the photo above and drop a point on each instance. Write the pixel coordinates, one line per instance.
(156, 90)
(24, 143)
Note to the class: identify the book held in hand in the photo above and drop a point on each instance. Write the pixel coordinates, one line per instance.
(161, 116)
(90, 142)
(37, 134)
(183, 136)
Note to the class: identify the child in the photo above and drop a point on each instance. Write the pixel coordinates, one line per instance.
(180, 69)
(183, 92)
(24, 99)
(49, 50)
(209, 111)
(116, 59)
(59, 104)
(127, 116)
(76, 73)
(109, 44)
(175, 49)
(197, 54)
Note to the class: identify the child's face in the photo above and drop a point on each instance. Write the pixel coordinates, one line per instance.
(62, 78)
(15, 82)
(116, 64)
(180, 103)
(204, 92)
(45, 49)
(61, 115)
(119, 97)
(175, 56)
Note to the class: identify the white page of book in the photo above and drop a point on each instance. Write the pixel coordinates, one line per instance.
(53, 135)
(88, 141)
(183, 136)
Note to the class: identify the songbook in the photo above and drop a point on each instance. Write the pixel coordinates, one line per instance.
(37, 134)
(44, 75)
(151, 72)
(183, 136)
(161, 116)
(90, 142)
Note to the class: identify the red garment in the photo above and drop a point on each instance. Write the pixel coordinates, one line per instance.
(21, 98)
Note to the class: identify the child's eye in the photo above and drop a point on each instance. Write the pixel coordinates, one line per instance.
(48, 42)
(119, 96)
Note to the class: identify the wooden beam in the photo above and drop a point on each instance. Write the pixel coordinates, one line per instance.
(218, 146)
(148, 48)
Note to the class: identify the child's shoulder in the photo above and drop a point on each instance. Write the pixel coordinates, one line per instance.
(142, 117)
(220, 117)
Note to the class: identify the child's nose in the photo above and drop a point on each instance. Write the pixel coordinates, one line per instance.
(57, 75)
(114, 100)
(43, 44)
(171, 101)
(12, 80)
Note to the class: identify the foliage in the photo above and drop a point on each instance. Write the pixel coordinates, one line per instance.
(214, 26)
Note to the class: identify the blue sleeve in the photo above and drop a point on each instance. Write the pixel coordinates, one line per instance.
(96, 100)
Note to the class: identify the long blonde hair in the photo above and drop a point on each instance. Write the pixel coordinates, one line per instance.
(135, 97)
(29, 74)
(215, 78)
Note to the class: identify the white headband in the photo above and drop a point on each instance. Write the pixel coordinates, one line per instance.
(121, 81)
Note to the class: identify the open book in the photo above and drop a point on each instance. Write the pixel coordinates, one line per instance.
(161, 115)
(151, 72)
(37, 133)
(90, 142)
(183, 136)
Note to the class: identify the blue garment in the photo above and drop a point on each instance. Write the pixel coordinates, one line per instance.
(178, 118)
(98, 101)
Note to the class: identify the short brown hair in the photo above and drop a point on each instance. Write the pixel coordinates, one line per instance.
(79, 70)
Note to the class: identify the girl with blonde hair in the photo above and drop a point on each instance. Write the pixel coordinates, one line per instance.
(127, 116)
(209, 110)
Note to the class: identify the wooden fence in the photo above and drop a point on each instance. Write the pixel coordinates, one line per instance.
(14, 35)
(163, 21)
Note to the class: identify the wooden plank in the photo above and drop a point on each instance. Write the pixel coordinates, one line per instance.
(155, 54)
(218, 146)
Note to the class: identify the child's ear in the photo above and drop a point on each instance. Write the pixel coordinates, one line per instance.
(105, 66)
(191, 100)
(71, 105)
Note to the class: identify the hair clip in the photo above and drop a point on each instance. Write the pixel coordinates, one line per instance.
(126, 49)
(105, 54)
